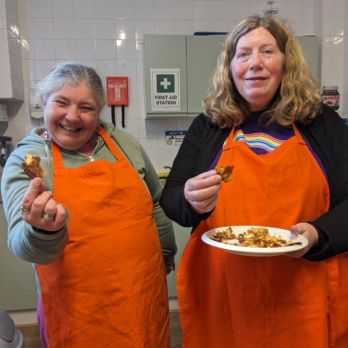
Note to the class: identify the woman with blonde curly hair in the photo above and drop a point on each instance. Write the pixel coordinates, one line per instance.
(264, 118)
(298, 97)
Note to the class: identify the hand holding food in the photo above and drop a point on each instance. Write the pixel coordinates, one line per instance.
(40, 210)
(201, 191)
(225, 172)
(31, 166)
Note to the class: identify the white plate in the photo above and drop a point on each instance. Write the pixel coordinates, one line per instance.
(252, 251)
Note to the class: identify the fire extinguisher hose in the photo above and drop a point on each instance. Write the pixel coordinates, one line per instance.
(113, 119)
(123, 123)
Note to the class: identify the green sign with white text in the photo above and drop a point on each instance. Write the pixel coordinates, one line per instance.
(165, 89)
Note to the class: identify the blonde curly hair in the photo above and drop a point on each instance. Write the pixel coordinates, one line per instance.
(297, 98)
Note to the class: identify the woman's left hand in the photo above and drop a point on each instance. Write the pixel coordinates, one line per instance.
(308, 231)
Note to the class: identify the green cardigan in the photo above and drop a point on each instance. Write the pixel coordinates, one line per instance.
(39, 247)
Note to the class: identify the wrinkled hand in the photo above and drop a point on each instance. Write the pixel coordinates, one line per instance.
(40, 210)
(201, 191)
(308, 231)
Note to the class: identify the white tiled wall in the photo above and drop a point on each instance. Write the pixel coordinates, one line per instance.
(11, 85)
(108, 34)
(333, 15)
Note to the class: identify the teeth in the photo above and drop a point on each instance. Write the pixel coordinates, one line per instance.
(70, 129)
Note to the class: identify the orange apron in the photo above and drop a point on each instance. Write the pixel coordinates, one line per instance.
(228, 300)
(109, 287)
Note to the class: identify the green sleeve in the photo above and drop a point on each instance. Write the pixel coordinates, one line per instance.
(23, 240)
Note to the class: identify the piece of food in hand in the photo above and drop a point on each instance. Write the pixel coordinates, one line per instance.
(225, 172)
(31, 166)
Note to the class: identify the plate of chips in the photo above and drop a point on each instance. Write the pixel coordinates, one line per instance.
(254, 240)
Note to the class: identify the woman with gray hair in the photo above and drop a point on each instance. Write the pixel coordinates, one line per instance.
(82, 203)
(263, 118)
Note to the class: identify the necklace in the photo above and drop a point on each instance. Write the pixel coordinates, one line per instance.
(87, 149)
(90, 146)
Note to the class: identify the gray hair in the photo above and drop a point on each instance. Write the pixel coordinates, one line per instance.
(71, 73)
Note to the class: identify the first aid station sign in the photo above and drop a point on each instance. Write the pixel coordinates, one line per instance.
(165, 90)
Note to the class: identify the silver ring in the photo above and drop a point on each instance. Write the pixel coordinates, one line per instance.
(47, 217)
(24, 210)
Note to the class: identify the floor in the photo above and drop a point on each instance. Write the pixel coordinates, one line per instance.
(32, 338)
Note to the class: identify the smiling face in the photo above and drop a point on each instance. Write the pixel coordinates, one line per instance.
(71, 116)
(257, 68)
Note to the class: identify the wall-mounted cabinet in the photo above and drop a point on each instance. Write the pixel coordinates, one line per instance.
(178, 70)
(311, 47)
(165, 74)
(202, 53)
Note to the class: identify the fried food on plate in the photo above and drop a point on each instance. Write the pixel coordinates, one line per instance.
(256, 237)
(225, 172)
(31, 166)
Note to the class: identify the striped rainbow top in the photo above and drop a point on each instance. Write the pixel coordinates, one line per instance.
(262, 138)
(259, 137)
(258, 141)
